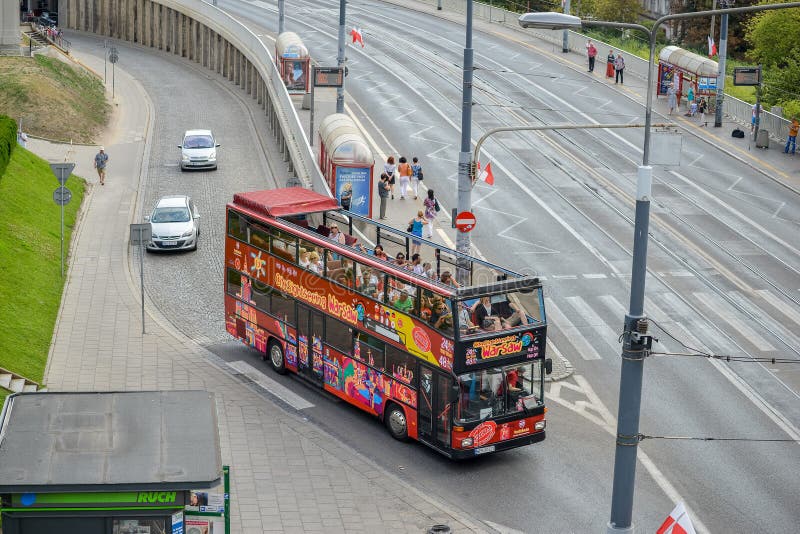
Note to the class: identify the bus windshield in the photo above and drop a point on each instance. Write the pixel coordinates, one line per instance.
(499, 312)
(499, 391)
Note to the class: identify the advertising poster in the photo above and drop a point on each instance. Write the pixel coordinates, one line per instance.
(359, 181)
(177, 523)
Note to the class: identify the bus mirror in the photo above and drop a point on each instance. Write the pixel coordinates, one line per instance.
(548, 365)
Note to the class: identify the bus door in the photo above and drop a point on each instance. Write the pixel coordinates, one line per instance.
(309, 344)
(434, 409)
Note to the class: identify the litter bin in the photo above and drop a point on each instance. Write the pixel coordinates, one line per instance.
(762, 139)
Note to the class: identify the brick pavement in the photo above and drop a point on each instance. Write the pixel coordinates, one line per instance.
(287, 475)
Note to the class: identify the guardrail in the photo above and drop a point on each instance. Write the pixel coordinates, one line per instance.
(738, 110)
(53, 37)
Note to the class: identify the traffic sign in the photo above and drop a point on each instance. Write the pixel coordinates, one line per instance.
(113, 56)
(465, 221)
(140, 233)
(62, 171)
(62, 195)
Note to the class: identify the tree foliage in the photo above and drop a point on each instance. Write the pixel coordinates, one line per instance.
(617, 10)
(693, 32)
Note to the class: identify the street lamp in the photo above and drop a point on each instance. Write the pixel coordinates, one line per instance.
(464, 201)
(635, 342)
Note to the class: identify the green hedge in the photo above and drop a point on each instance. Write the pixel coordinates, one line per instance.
(8, 140)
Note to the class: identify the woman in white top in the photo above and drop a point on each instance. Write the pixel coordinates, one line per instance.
(389, 169)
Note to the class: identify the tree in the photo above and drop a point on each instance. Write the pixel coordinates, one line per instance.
(617, 10)
(774, 38)
(693, 32)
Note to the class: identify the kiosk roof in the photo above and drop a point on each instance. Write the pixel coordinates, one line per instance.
(109, 441)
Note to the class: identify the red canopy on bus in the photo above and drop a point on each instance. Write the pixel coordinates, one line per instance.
(285, 202)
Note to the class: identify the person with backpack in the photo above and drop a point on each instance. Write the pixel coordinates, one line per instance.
(431, 208)
(405, 172)
(416, 176)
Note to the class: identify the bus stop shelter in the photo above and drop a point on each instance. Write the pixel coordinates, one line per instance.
(105, 463)
(346, 162)
(293, 61)
(686, 69)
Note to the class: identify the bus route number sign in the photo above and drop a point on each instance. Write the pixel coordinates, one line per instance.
(746, 76)
(328, 76)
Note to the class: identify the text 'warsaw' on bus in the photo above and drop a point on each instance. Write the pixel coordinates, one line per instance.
(335, 298)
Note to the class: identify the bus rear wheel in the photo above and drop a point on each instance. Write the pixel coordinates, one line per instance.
(276, 357)
(396, 422)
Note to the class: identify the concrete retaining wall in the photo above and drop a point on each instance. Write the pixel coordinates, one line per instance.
(200, 32)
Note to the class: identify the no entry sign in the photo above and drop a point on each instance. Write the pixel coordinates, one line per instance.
(465, 221)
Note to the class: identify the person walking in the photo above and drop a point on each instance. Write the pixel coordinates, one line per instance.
(100, 162)
(619, 68)
(672, 99)
(610, 64)
(389, 169)
(405, 172)
(416, 176)
(753, 118)
(690, 99)
(415, 226)
(383, 194)
(791, 139)
(591, 52)
(431, 207)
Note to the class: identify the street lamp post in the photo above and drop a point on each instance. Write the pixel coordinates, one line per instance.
(636, 342)
(340, 57)
(464, 156)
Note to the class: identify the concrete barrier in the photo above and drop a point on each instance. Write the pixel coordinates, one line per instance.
(201, 32)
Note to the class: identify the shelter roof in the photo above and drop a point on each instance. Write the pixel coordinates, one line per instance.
(688, 61)
(109, 441)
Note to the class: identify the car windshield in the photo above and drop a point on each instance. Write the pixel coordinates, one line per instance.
(198, 141)
(499, 391)
(170, 215)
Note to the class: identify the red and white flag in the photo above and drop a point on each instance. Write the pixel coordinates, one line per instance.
(358, 37)
(678, 522)
(712, 47)
(486, 175)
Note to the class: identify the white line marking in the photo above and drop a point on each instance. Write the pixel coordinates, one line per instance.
(595, 321)
(270, 385)
(593, 276)
(584, 348)
(727, 313)
(782, 307)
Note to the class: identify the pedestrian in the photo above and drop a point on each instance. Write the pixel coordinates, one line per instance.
(405, 172)
(416, 176)
(619, 68)
(610, 64)
(701, 108)
(383, 193)
(415, 226)
(672, 99)
(791, 139)
(689, 100)
(431, 207)
(591, 52)
(753, 118)
(389, 168)
(100, 162)
(22, 139)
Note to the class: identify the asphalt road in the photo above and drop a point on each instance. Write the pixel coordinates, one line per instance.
(721, 269)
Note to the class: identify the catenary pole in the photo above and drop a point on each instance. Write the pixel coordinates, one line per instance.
(281, 6)
(340, 58)
(722, 56)
(465, 155)
(565, 36)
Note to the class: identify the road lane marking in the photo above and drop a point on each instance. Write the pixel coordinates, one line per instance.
(272, 386)
(595, 321)
(575, 338)
(722, 309)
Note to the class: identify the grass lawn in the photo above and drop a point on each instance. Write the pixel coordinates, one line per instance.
(30, 272)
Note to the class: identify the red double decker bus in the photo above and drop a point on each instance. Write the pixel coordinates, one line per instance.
(460, 369)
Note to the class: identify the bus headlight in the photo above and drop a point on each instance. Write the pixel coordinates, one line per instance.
(540, 425)
(466, 442)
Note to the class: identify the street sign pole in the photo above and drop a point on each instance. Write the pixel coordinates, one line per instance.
(62, 196)
(139, 236)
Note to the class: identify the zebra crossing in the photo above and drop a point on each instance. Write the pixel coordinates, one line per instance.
(590, 326)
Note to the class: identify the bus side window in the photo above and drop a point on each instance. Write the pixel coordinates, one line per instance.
(260, 294)
(259, 237)
(338, 335)
(282, 307)
(284, 245)
(234, 282)
(400, 365)
(237, 225)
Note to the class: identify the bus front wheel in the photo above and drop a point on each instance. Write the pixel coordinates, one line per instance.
(276, 357)
(396, 422)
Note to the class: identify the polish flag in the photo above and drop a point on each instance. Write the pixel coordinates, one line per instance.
(358, 37)
(486, 175)
(678, 522)
(712, 47)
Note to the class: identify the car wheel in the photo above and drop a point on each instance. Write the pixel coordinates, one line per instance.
(276, 358)
(396, 422)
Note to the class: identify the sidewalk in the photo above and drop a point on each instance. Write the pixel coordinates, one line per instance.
(286, 474)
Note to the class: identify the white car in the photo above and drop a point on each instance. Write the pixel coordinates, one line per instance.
(198, 150)
(174, 223)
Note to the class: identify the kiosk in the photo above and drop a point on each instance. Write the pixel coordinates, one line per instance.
(346, 162)
(106, 463)
(293, 61)
(686, 69)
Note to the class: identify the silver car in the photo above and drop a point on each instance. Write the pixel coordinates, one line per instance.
(175, 224)
(198, 150)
